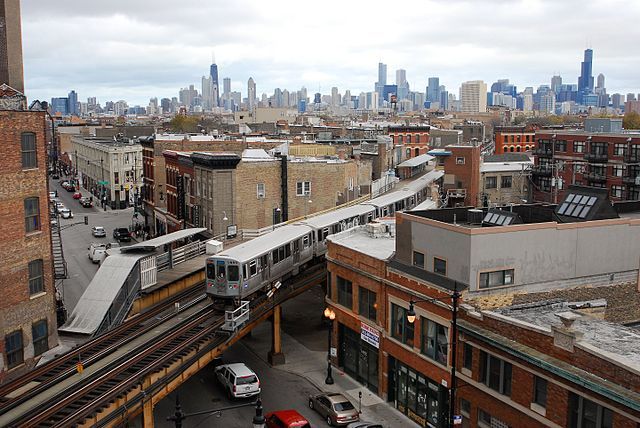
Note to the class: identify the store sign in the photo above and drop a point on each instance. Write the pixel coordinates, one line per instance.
(370, 335)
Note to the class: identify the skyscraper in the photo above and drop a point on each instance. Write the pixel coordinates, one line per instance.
(473, 96)
(433, 89)
(556, 83)
(585, 81)
(226, 92)
(403, 85)
(207, 93)
(382, 81)
(73, 104)
(11, 70)
(251, 94)
(215, 84)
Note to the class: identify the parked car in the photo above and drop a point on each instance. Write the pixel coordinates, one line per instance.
(363, 424)
(77, 195)
(238, 380)
(86, 202)
(98, 231)
(55, 176)
(53, 195)
(98, 250)
(60, 206)
(66, 213)
(70, 188)
(286, 419)
(334, 407)
(121, 234)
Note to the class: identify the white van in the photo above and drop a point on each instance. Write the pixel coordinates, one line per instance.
(98, 251)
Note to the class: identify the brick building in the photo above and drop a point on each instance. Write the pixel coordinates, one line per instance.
(26, 266)
(471, 130)
(510, 139)
(461, 164)
(604, 160)
(180, 190)
(415, 139)
(539, 344)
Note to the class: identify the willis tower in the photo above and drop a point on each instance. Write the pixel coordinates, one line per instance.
(585, 81)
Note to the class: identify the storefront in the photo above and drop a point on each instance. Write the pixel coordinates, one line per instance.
(358, 358)
(420, 398)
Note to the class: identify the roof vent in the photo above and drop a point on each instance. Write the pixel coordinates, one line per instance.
(475, 216)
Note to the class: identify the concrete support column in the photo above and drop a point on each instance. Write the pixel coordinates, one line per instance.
(275, 356)
(147, 407)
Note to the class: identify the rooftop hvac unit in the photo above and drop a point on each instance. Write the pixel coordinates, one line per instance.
(475, 216)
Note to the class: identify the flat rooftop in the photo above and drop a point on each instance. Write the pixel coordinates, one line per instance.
(380, 246)
(620, 342)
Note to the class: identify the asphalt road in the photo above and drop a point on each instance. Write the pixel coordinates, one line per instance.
(280, 390)
(77, 237)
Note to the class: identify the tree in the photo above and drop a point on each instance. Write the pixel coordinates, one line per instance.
(631, 120)
(181, 123)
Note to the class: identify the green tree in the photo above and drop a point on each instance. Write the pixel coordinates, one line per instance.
(631, 120)
(181, 123)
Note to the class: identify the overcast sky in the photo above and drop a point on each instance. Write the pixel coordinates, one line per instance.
(135, 50)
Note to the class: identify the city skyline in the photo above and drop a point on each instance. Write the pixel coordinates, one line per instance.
(153, 51)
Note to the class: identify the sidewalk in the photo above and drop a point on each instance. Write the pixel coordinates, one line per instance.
(312, 365)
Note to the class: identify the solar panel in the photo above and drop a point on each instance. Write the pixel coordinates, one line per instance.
(576, 205)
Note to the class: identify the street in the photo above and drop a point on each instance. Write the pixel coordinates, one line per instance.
(77, 237)
(281, 390)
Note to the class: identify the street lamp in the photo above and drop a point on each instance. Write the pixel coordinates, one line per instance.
(411, 318)
(330, 315)
(258, 419)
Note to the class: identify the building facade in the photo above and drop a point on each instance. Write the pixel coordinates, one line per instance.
(514, 139)
(415, 139)
(473, 96)
(29, 326)
(504, 182)
(111, 169)
(604, 160)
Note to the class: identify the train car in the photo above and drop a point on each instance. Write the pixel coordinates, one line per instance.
(336, 221)
(248, 268)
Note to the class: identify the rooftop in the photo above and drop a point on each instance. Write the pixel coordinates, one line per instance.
(375, 239)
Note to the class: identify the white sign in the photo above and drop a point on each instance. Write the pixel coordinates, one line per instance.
(334, 352)
(369, 335)
(457, 420)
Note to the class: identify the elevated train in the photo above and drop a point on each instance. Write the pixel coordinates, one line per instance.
(251, 268)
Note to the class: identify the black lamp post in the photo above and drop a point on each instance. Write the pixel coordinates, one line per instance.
(411, 317)
(330, 315)
(258, 419)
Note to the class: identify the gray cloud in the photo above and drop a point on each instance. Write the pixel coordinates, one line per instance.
(135, 50)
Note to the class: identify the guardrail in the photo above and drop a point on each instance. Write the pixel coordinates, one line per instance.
(180, 255)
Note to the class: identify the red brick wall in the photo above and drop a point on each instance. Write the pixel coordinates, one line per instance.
(19, 310)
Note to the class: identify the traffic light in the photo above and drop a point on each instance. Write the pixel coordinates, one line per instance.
(86, 219)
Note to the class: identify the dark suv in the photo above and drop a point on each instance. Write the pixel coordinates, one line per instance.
(122, 234)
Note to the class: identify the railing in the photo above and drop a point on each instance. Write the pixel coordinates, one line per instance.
(541, 151)
(595, 176)
(234, 319)
(543, 170)
(383, 185)
(180, 255)
(596, 157)
(632, 179)
(457, 193)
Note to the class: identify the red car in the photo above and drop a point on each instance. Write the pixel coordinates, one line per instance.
(77, 195)
(286, 419)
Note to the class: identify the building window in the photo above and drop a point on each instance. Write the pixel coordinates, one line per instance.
(401, 328)
(616, 191)
(540, 391)
(435, 341)
(505, 182)
(578, 146)
(617, 170)
(485, 420)
(367, 303)
(460, 161)
(417, 139)
(491, 182)
(495, 373)
(584, 413)
(32, 214)
(467, 356)
(260, 190)
(29, 153)
(408, 139)
(13, 349)
(561, 146)
(40, 337)
(303, 188)
(36, 280)
(496, 278)
(619, 149)
(345, 292)
(439, 266)
(418, 259)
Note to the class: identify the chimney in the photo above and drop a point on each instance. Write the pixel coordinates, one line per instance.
(565, 337)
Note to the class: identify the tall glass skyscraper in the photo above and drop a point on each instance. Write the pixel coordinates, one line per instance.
(585, 81)
(433, 89)
(215, 85)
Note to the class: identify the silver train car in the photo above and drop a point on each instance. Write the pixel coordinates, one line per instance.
(254, 266)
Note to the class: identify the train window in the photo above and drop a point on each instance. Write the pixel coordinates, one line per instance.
(245, 271)
(222, 270)
(253, 267)
(211, 270)
(281, 253)
(325, 233)
(275, 257)
(263, 262)
(305, 241)
(234, 273)
(287, 250)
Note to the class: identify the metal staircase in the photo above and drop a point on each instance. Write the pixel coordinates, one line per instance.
(59, 264)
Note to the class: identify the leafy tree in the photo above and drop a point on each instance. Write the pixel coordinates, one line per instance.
(181, 123)
(631, 120)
